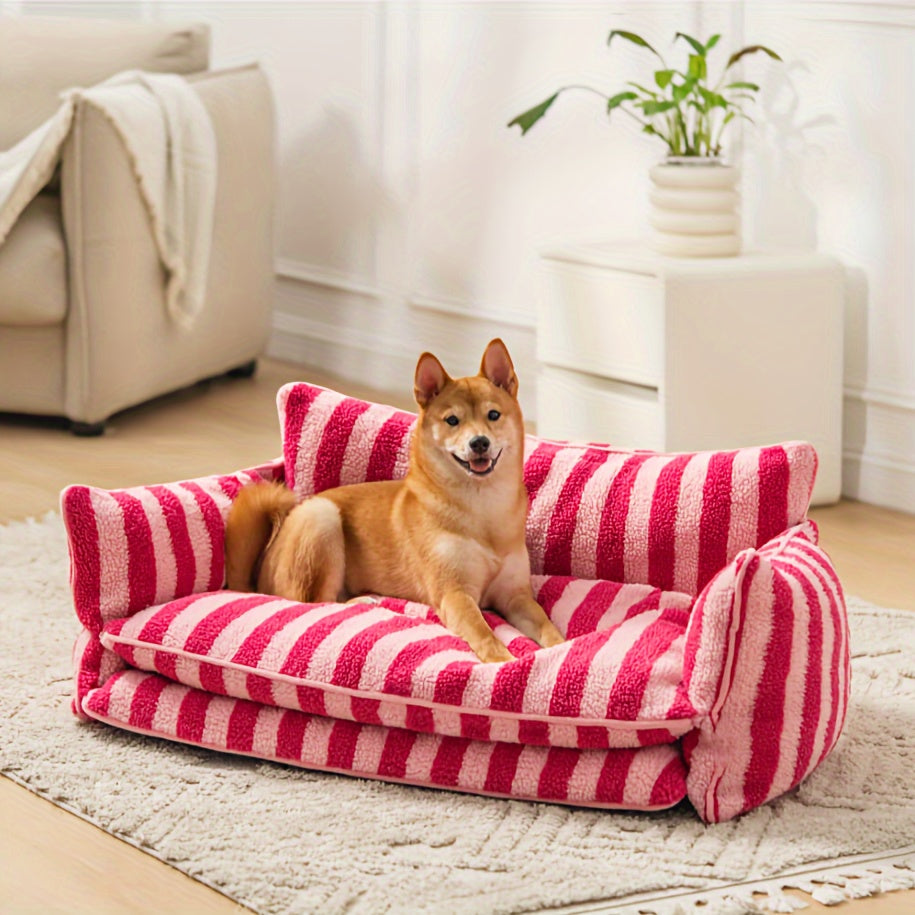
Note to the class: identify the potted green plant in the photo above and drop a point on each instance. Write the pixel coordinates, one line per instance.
(694, 198)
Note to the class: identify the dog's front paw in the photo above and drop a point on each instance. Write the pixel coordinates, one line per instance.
(494, 654)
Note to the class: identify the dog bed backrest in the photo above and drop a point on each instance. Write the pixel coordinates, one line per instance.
(669, 520)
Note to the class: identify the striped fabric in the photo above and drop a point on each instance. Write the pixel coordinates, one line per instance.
(615, 683)
(668, 520)
(132, 548)
(650, 778)
(767, 655)
(703, 622)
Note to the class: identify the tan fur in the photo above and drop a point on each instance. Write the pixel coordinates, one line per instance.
(444, 535)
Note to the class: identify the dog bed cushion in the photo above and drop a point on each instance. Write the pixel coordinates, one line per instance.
(615, 683)
(668, 520)
(649, 778)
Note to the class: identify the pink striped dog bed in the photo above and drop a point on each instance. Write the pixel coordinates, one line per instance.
(706, 654)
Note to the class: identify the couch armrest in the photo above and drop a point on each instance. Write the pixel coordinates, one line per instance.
(123, 347)
(767, 667)
(134, 548)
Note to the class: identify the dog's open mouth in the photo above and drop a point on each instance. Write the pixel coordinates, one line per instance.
(480, 466)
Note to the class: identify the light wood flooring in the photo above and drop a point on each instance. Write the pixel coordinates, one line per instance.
(51, 861)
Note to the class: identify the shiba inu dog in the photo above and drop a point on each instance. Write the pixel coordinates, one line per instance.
(451, 534)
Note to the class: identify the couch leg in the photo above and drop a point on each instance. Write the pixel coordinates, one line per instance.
(244, 371)
(87, 430)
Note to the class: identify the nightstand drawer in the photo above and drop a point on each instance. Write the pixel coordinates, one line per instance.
(576, 407)
(601, 322)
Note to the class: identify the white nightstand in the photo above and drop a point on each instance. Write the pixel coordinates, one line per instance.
(691, 354)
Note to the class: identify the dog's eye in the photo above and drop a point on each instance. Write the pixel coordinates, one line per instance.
(452, 420)
(493, 415)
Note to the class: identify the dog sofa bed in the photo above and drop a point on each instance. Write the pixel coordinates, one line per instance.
(707, 645)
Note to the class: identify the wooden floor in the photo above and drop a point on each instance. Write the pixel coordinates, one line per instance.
(54, 862)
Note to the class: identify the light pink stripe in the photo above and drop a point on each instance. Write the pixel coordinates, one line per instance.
(527, 774)
(233, 634)
(544, 504)
(338, 705)
(635, 559)
(384, 653)
(166, 569)
(574, 595)
(114, 589)
(545, 670)
(369, 749)
(168, 708)
(265, 732)
(606, 664)
(584, 543)
(745, 480)
(325, 658)
(662, 689)
(359, 447)
(686, 524)
(583, 781)
(475, 765)
(316, 419)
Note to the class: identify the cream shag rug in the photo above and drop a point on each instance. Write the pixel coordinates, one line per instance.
(283, 840)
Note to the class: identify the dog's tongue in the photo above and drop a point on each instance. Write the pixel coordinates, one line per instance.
(480, 465)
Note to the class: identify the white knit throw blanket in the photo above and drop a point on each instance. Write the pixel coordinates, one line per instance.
(169, 139)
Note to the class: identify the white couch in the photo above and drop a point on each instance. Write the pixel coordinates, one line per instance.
(84, 330)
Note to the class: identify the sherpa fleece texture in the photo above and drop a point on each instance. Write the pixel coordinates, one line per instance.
(725, 628)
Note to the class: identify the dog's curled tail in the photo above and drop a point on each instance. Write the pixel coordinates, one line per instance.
(256, 515)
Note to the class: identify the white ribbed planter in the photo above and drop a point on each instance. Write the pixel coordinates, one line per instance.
(694, 208)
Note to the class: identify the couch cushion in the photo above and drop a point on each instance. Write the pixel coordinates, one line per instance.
(43, 56)
(767, 668)
(615, 683)
(33, 267)
(669, 520)
(648, 778)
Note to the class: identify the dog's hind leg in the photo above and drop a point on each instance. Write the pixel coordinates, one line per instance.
(310, 566)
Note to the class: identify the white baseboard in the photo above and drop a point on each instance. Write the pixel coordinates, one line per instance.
(878, 481)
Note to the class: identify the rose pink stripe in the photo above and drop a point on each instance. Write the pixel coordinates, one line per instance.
(537, 468)
(388, 445)
(637, 668)
(242, 721)
(767, 729)
(215, 529)
(295, 403)
(774, 479)
(569, 683)
(397, 747)
(155, 628)
(557, 558)
(686, 526)
(251, 650)
(399, 677)
(662, 523)
(503, 764)
(557, 770)
(714, 522)
(611, 784)
(141, 562)
(334, 439)
(200, 639)
(85, 562)
(300, 656)
(509, 684)
(290, 735)
(668, 786)
(362, 442)
(351, 657)
(451, 682)
(612, 534)
(591, 610)
(144, 701)
(185, 562)
(446, 766)
(192, 715)
(813, 674)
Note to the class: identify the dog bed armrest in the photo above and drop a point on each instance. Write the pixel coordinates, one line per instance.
(132, 548)
(766, 666)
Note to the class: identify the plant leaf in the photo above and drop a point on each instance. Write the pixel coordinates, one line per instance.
(752, 49)
(663, 77)
(697, 68)
(711, 42)
(618, 100)
(752, 86)
(697, 46)
(680, 92)
(527, 120)
(713, 98)
(642, 89)
(635, 39)
(652, 108)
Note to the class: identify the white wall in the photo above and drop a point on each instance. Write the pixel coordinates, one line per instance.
(410, 216)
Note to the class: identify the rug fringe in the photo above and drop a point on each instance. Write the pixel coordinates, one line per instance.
(856, 878)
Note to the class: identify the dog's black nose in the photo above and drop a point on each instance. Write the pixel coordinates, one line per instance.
(479, 444)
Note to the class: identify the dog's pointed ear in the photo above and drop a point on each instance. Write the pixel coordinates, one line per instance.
(429, 380)
(497, 367)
